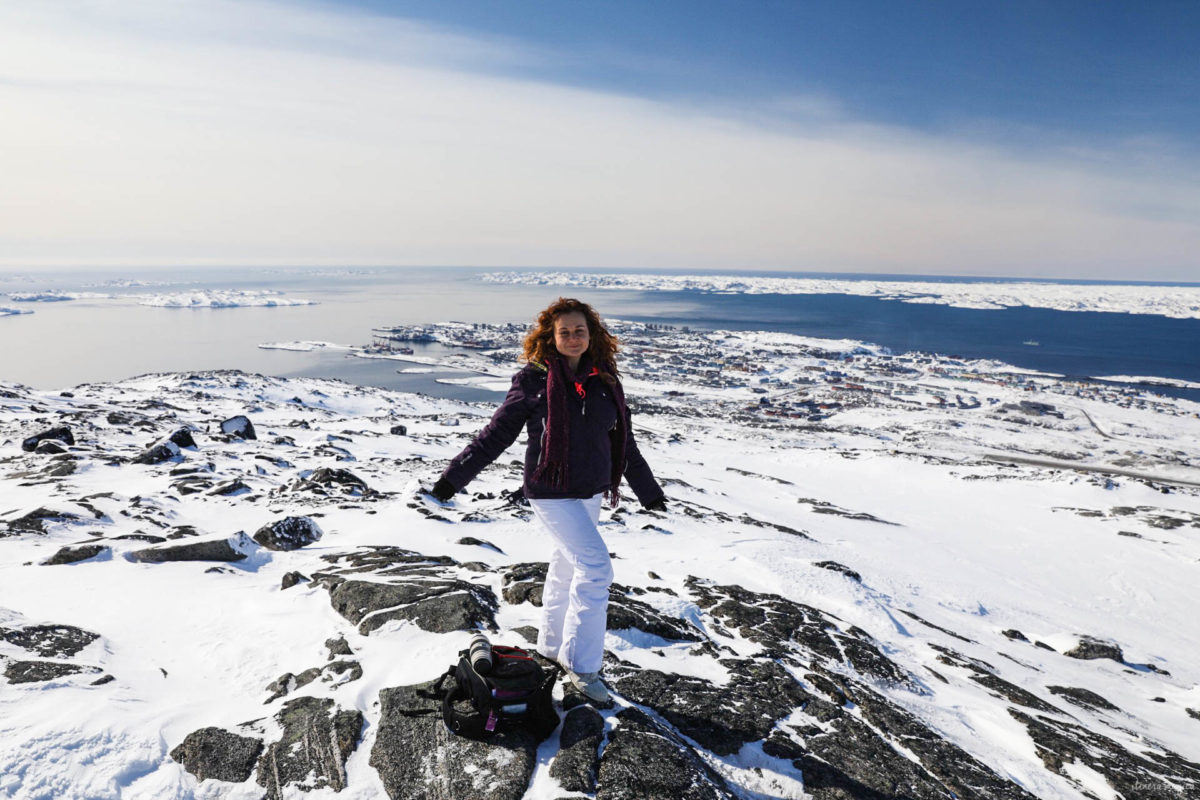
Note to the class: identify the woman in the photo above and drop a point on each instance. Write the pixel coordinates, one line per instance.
(570, 400)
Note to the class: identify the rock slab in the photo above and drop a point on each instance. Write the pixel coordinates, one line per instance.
(218, 754)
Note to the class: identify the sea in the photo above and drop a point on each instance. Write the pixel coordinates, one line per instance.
(107, 334)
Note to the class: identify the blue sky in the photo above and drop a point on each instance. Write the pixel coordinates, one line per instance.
(1093, 68)
(1040, 139)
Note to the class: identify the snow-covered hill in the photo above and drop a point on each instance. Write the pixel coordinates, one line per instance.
(893, 597)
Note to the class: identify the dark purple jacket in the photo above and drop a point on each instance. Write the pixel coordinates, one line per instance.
(589, 469)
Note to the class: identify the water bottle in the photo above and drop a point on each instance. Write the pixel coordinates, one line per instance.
(479, 653)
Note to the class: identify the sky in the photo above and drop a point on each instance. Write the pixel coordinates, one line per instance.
(1015, 139)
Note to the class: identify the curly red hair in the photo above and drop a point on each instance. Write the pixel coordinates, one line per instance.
(602, 345)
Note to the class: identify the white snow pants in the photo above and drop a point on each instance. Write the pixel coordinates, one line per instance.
(575, 597)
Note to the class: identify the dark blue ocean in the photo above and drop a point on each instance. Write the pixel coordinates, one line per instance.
(115, 336)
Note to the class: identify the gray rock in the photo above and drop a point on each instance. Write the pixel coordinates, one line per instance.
(329, 480)
(292, 579)
(1090, 648)
(49, 641)
(1157, 775)
(218, 754)
(338, 646)
(289, 533)
(239, 427)
(233, 487)
(72, 555)
(1083, 697)
(779, 624)
(399, 430)
(853, 759)
(49, 447)
(231, 549)
(578, 753)
(522, 583)
(158, 453)
(417, 758)
(625, 612)
(182, 437)
(438, 606)
(719, 718)
(644, 761)
(61, 433)
(37, 520)
(40, 671)
(312, 753)
(834, 566)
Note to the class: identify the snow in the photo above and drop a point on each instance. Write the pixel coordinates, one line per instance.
(1181, 302)
(39, 297)
(977, 547)
(231, 298)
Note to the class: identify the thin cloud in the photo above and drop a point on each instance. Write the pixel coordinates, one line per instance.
(194, 133)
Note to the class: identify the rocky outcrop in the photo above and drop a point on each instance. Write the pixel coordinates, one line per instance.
(1061, 744)
(417, 758)
(37, 520)
(49, 641)
(645, 761)
(317, 739)
(218, 754)
(718, 718)
(40, 671)
(289, 533)
(231, 549)
(438, 606)
(73, 555)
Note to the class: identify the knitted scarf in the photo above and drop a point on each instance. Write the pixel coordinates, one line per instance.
(553, 469)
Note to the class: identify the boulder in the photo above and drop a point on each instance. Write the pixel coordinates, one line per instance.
(417, 758)
(1090, 648)
(231, 549)
(158, 453)
(292, 579)
(289, 533)
(645, 761)
(182, 437)
(218, 754)
(49, 447)
(239, 427)
(399, 430)
(61, 433)
(72, 555)
(312, 753)
(438, 606)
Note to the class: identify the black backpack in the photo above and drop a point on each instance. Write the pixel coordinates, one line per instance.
(515, 692)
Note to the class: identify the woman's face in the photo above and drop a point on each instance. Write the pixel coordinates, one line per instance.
(571, 334)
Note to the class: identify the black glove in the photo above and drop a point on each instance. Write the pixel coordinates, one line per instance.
(443, 490)
(656, 505)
